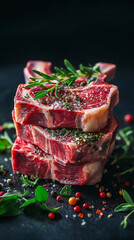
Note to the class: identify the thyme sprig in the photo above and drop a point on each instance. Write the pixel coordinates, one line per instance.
(61, 78)
(29, 182)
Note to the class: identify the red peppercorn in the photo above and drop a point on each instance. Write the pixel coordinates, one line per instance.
(102, 194)
(85, 205)
(78, 194)
(103, 208)
(1, 193)
(77, 208)
(59, 198)
(127, 183)
(104, 202)
(1, 128)
(128, 118)
(51, 215)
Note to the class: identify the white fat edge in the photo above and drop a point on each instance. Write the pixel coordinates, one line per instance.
(53, 169)
(90, 169)
(96, 118)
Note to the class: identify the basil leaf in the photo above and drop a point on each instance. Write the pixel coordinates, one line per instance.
(6, 204)
(28, 202)
(70, 67)
(13, 212)
(66, 191)
(50, 209)
(127, 197)
(41, 194)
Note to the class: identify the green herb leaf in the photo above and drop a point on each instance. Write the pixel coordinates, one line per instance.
(7, 204)
(124, 207)
(5, 142)
(66, 191)
(127, 197)
(59, 79)
(45, 76)
(41, 194)
(8, 125)
(27, 182)
(28, 202)
(50, 209)
(70, 67)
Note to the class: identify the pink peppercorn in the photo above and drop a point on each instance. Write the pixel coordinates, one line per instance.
(77, 208)
(59, 198)
(85, 205)
(128, 118)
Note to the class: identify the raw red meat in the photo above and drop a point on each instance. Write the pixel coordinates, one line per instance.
(70, 145)
(106, 68)
(41, 66)
(29, 159)
(90, 106)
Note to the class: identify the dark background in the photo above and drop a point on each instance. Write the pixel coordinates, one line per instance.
(83, 32)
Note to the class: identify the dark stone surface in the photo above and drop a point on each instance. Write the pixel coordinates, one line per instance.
(35, 224)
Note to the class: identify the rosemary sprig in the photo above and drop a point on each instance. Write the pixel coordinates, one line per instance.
(62, 77)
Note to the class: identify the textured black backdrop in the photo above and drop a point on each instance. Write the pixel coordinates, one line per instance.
(85, 31)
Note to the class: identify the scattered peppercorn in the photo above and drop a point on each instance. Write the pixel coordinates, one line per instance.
(1, 128)
(89, 214)
(102, 194)
(1, 185)
(72, 201)
(103, 208)
(58, 198)
(51, 215)
(128, 118)
(97, 185)
(80, 215)
(53, 194)
(110, 215)
(105, 170)
(104, 202)
(98, 211)
(83, 83)
(1, 193)
(90, 207)
(77, 208)
(127, 183)
(77, 199)
(67, 98)
(101, 189)
(9, 181)
(78, 194)
(120, 192)
(101, 215)
(117, 166)
(109, 195)
(85, 205)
